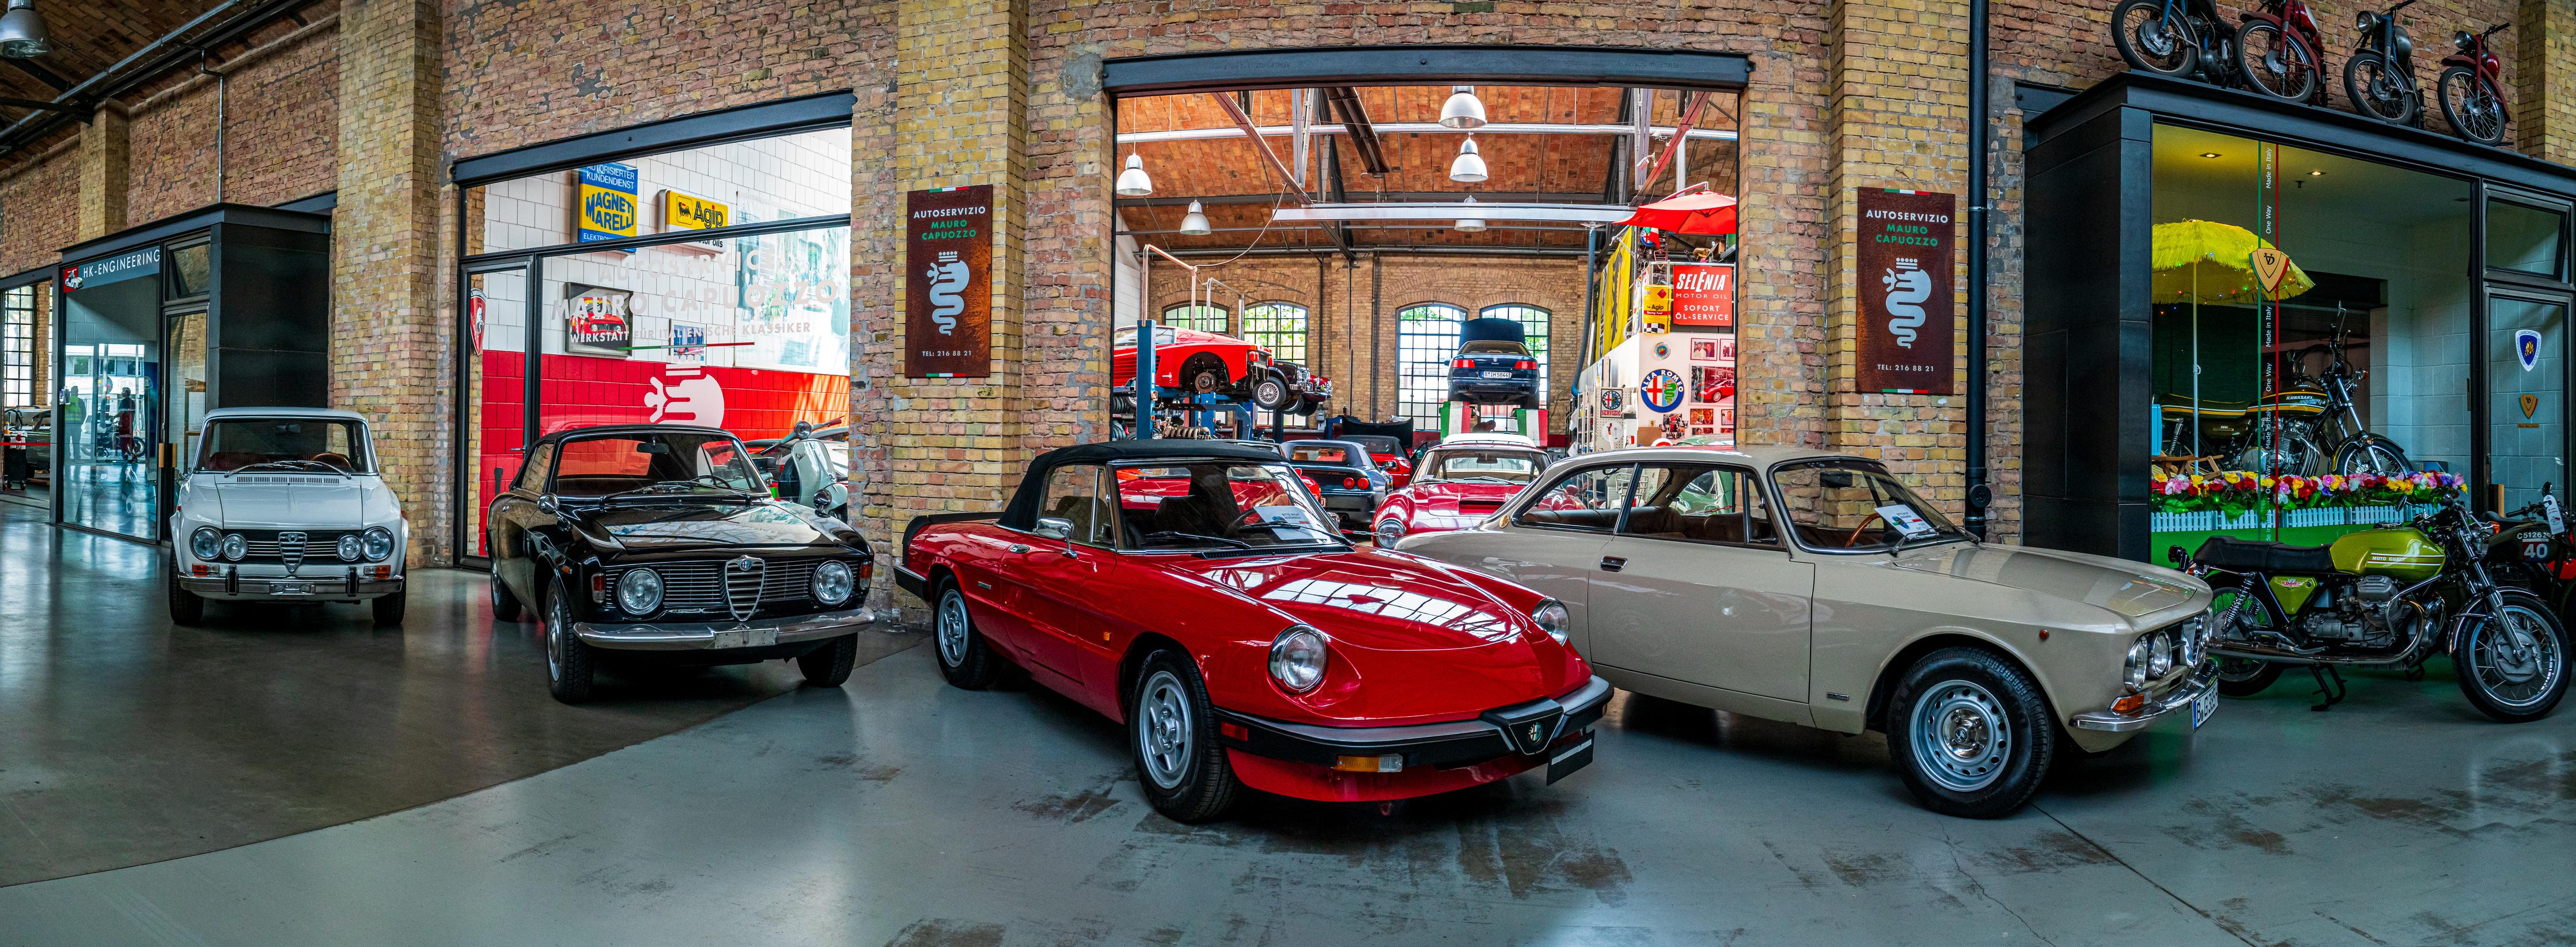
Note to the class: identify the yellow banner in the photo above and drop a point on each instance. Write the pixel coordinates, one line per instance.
(690, 212)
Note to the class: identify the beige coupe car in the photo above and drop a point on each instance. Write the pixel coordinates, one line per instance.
(1815, 588)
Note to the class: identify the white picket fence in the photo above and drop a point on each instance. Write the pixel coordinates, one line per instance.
(2212, 520)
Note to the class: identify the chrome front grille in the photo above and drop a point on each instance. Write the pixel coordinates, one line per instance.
(292, 547)
(742, 581)
(709, 586)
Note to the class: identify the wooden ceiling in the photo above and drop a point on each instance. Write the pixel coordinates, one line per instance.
(89, 36)
(1238, 189)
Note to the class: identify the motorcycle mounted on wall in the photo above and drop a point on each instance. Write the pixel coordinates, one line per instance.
(2280, 53)
(2379, 79)
(2185, 39)
(2388, 598)
(2471, 88)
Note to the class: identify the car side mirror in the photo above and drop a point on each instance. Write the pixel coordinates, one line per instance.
(1054, 528)
(548, 505)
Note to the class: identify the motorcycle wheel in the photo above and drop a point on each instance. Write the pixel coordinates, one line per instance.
(2371, 454)
(2473, 114)
(2148, 42)
(2376, 91)
(2513, 666)
(2245, 677)
(2273, 63)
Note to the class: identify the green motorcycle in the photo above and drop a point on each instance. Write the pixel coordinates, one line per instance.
(2390, 598)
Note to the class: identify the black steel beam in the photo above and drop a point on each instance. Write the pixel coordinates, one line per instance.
(1355, 120)
(690, 131)
(1437, 64)
(41, 74)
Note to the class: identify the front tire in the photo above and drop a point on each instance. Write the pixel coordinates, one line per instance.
(505, 606)
(2246, 677)
(965, 658)
(2148, 43)
(1970, 733)
(2275, 64)
(829, 665)
(2371, 454)
(1273, 394)
(2513, 666)
(2473, 114)
(569, 665)
(186, 607)
(389, 607)
(2376, 91)
(1171, 728)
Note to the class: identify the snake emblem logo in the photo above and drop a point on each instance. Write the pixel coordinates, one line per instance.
(947, 282)
(1907, 286)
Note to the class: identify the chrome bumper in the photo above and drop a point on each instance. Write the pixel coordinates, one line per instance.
(2202, 681)
(245, 588)
(704, 636)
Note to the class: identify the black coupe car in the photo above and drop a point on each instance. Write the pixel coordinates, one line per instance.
(660, 543)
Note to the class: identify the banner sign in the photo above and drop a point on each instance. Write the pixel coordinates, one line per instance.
(1704, 296)
(114, 269)
(597, 319)
(948, 296)
(1908, 333)
(691, 212)
(607, 203)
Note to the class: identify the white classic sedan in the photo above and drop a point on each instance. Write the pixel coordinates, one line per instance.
(286, 505)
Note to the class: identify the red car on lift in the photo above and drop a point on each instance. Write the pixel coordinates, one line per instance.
(1461, 481)
(1205, 363)
(1241, 641)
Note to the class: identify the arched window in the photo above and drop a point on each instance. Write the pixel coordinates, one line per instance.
(1202, 317)
(1279, 327)
(1533, 322)
(1426, 336)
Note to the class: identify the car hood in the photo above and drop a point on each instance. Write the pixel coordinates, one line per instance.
(1446, 494)
(292, 501)
(670, 527)
(2128, 589)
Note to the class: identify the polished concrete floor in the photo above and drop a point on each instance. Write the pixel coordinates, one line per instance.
(899, 811)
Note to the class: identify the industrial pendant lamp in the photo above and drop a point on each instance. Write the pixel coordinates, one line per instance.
(1134, 182)
(1463, 110)
(22, 32)
(1194, 223)
(1470, 224)
(1468, 167)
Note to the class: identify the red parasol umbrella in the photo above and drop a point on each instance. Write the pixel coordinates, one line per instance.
(1700, 213)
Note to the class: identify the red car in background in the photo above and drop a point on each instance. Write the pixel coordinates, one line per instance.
(1206, 363)
(1240, 640)
(1461, 481)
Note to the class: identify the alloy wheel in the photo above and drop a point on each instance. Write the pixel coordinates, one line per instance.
(1163, 730)
(558, 619)
(1961, 736)
(952, 628)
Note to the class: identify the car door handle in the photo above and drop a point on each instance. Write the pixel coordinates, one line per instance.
(1018, 547)
(1613, 563)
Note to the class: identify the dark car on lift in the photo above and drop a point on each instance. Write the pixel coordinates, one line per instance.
(659, 543)
(1493, 365)
(1350, 484)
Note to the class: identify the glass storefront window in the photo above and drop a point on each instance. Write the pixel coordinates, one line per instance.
(2526, 239)
(731, 184)
(112, 336)
(191, 270)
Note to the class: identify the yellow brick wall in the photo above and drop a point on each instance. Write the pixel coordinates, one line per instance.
(104, 152)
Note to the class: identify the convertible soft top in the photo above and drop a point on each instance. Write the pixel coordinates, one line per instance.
(1022, 514)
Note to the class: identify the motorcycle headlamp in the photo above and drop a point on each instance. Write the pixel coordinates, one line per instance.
(379, 542)
(206, 543)
(2365, 21)
(1297, 659)
(832, 583)
(639, 591)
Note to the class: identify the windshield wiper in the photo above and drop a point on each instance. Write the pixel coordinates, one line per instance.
(296, 464)
(667, 487)
(1905, 542)
(1236, 543)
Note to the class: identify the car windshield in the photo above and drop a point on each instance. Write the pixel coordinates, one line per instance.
(1839, 506)
(1496, 464)
(1377, 444)
(641, 465)
(1218, 504)
(1322, 454)
(312, 445)
(1492, 347)
(1163, 335)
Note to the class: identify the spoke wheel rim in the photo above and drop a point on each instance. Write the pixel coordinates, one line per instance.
(952, 628)
(2515, 660)
(1962, 740)
(2153, 41)
(1163, 733)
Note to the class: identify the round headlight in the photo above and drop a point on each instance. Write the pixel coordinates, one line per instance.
(379, 542)
(1297, 659)
(206, 543)
(349, 547)
(2159, 654)
(2136, 670)
(1550, 615)
(639, 591)
(832, 583)
(235, 546)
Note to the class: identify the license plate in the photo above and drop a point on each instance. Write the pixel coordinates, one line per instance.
(746, 638)
(2202, 706)
(1575, 757)
(1498, 374)
(290, 588)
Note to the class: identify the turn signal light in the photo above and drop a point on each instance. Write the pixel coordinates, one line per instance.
(384, 572)
(1369, 764)
(201, 570)
(2129, 704)
(1233, 731)
(867, 570)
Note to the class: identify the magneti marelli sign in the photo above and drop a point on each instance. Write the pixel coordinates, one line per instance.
(1909, 333)
(948, 282)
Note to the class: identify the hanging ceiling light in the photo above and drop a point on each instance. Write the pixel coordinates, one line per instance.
(1134, 182)
(1194, 223)
(1468, 167)
(1470, 224)
(1463, 110)
(22, 32)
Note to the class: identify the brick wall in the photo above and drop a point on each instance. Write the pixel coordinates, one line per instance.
(40, 205)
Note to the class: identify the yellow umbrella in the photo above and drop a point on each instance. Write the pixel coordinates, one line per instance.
(2212, 262)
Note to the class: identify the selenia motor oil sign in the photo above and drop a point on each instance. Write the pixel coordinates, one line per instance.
(1908, 323)
(948, 282)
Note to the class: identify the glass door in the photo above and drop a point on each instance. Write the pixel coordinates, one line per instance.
(183, 395)
(2526, 404)
(493, 394)
(110, 404)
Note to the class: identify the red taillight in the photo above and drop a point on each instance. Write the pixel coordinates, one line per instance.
(1525, 364)
(1462, 363)
(1350, 481)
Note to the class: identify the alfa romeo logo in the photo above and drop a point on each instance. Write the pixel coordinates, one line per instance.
(1661, 390)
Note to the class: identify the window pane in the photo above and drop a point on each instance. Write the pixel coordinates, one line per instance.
(1202, 318)
(1587, 500)
(731, 184)
(1533, 322)
(1279, 327)
(1073, 494)
(1426, 335)
(2526, 427)
(2525, 238)
(191, 271)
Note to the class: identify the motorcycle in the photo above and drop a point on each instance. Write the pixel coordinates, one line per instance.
(2380, 76)
(2389, 598)
(2472, 88)
(2179, 38)
(2278, 48)
(2311, 426)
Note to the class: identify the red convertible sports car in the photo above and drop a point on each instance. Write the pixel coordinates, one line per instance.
(1241, 641)
(1461, 481)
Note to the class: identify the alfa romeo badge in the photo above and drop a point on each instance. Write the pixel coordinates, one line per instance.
(1661, 390)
